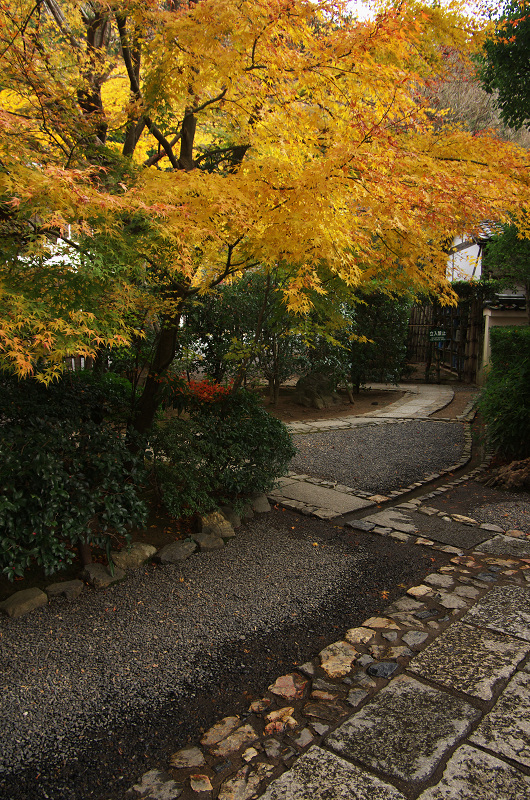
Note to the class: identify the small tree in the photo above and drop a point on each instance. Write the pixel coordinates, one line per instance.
(506, 63)
(244, 328)
(507, 259)
(381, 356)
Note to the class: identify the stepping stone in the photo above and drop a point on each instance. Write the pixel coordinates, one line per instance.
(321, 497)
(393, 519)
(319, 775)
(405, 731)
(505, 609)
(506, 729)
(470, 660)
(449, 532)
(473, 775)
(156, 785)
(187, 757)
(506, 546)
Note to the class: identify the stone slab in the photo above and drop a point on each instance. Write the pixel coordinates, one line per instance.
(319, 775)
(405, 730)
(321, 497)
(392, 518)
(156, 785)
(473, 775)
(506, 546)
(470, 660)
(452, 533)
(505, 609)
(506, 729)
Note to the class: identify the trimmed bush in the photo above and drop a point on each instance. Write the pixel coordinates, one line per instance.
(221, 451)
(505, 399)
(67, 475)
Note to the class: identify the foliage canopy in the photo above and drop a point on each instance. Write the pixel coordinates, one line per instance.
(150, 150)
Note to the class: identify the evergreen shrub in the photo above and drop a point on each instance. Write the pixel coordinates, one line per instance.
(67, 474)
(505, 398)
(220, 449)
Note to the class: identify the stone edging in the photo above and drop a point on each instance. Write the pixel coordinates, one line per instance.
(240, 755)
(217, 528)
(371, 497)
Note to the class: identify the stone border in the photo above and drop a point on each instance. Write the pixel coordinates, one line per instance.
(240, 755)
(324, 513)
(217, 528)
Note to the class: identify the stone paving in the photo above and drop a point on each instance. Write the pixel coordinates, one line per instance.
(427, 701)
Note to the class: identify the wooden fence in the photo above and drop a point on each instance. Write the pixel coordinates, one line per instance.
(461, 351)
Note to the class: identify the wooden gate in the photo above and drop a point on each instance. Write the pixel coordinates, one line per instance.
(460, 351)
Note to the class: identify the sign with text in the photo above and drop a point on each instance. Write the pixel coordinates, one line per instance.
(437, 335)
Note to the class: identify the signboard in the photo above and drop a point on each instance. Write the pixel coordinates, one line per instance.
(437, 335)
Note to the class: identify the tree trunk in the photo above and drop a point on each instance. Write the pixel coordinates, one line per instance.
(151, 396)
(85, 553)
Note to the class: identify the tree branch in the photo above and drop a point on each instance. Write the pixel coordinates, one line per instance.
(156, 157)
(159, 136)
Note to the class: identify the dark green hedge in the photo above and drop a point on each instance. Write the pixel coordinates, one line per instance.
(505, 400)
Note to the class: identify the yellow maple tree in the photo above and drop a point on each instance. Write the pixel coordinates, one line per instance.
(173, 145)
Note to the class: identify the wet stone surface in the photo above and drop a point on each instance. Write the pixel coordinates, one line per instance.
(473, 775)
(505, 609)
(405, 730)
(452, 533)
(507, 546)
(470, 660)
(319, 775)
(506, 729)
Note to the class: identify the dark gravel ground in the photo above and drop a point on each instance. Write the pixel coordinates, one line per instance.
(97, 691)
(472, 498)
(380, 458)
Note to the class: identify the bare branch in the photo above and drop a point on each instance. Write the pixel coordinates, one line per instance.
(55, 10)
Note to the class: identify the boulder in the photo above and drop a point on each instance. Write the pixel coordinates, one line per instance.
(23, 602)
(134, 556)
(99, 576)
(216, 524)
(70, 589)
(175, 551)
(260, 503)
(208, 541)
(233, 518)
(316, 390)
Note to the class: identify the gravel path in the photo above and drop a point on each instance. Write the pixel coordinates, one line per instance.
(514, 514)
(105, 687)
(379, 458)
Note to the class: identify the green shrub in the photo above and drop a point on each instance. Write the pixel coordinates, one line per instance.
(225, 449)
(505, 399)
(67, 474)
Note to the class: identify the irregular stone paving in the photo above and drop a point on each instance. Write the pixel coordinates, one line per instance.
(428, 700)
